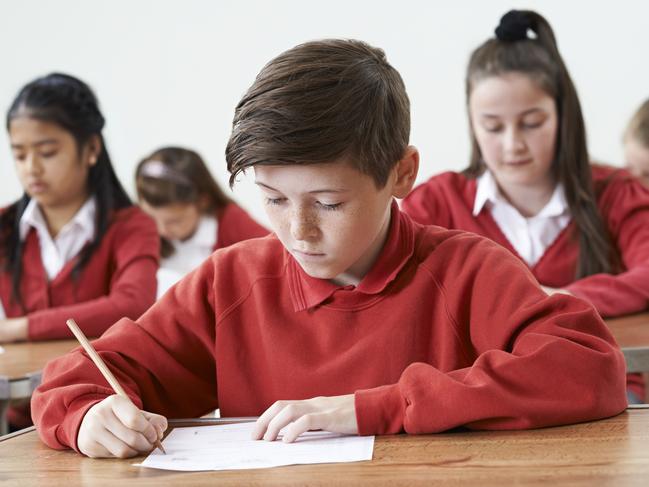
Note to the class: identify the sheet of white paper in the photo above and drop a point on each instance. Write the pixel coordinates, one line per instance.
(229, 447)
(2, 312)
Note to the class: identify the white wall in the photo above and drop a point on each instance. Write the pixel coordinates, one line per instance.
(171, 72)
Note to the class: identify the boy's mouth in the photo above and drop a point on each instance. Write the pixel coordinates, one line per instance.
(307, 255)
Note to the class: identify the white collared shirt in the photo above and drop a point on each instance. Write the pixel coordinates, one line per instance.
(188, 254)
(55, 253)
(530, 236)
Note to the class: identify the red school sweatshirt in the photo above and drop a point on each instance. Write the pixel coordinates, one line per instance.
(447, 200)
(119, 280)
(235, 225)
(447, 329)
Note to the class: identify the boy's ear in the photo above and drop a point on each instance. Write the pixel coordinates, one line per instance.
(406, 172)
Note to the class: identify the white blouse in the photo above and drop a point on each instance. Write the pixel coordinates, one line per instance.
(58, 251)
(188, 254)
(530, 236)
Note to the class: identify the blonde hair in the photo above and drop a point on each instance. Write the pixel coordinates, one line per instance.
(638, 127)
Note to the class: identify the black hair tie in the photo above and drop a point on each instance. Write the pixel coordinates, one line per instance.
(513, 26)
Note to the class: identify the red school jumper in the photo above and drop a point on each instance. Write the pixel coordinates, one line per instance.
(447, 200)
(235, 225)
(447, 329)
(118, 281)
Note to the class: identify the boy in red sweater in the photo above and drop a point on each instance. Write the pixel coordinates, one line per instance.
(350, 317)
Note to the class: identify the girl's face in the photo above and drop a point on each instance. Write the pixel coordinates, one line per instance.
(515, 124)
(177, 221)
(50, 167)
(637, 158)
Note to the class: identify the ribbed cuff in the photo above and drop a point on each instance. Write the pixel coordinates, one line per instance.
(380, 411)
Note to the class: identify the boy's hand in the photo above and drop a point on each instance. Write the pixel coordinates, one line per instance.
(115, 427)
(336, 414)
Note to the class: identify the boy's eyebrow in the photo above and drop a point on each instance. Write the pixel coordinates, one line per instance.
(35, 144)
(315, 191)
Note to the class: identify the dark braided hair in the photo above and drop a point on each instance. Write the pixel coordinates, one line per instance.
(69, 103)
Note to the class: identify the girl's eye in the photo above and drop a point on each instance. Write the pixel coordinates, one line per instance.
(330, 207)
(48, 154)
(493, 128)
(532, 125)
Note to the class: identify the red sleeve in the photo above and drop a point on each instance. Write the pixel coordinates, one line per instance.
(625, 207)
(134, 250)
(164, 361)
(535, 360)
(426, 204)
(236, 225)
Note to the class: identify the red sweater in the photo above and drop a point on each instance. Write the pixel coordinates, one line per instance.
(447, 200)
(446, 329)
(119, 280)
(235, 225)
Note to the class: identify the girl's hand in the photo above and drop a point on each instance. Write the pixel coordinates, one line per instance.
(13, 329)
(553, 290)
(115, 427)
(335, 413)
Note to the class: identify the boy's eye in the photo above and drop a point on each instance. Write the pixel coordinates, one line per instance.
(330, 206)
(274, 201)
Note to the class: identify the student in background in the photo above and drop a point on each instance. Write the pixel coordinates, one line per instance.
(193, 215)
(72, 246)
(581, 229)
(636, 144)
(349, 317)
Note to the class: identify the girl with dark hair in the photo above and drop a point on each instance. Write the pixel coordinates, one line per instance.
(73, 246)
(193, 215)
(582, 229)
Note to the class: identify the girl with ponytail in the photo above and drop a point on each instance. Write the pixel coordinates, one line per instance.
(73, 246)
(582, 229)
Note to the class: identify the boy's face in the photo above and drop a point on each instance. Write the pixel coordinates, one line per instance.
(637, 158)
(330, 217)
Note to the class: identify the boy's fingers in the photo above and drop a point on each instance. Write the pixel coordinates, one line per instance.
(115, 446)
(134, 439)
(158, 422)
(262, 422)
(132, 418)
(288, 414)
(312, 421)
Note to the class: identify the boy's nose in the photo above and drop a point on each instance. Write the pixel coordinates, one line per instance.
(304, 226)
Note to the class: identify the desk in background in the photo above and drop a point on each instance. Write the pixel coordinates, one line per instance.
(20, 369)
(632, 334)
(611, 452)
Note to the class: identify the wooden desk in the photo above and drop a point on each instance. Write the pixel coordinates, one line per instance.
(613, 451)
(632, 334)
(630, 331)
(20, 369)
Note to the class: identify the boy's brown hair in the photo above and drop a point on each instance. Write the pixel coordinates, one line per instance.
(319, 102)
(638, 128)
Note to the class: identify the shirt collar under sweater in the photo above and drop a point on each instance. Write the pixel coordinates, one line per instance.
(487, 191)
(308, 292)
